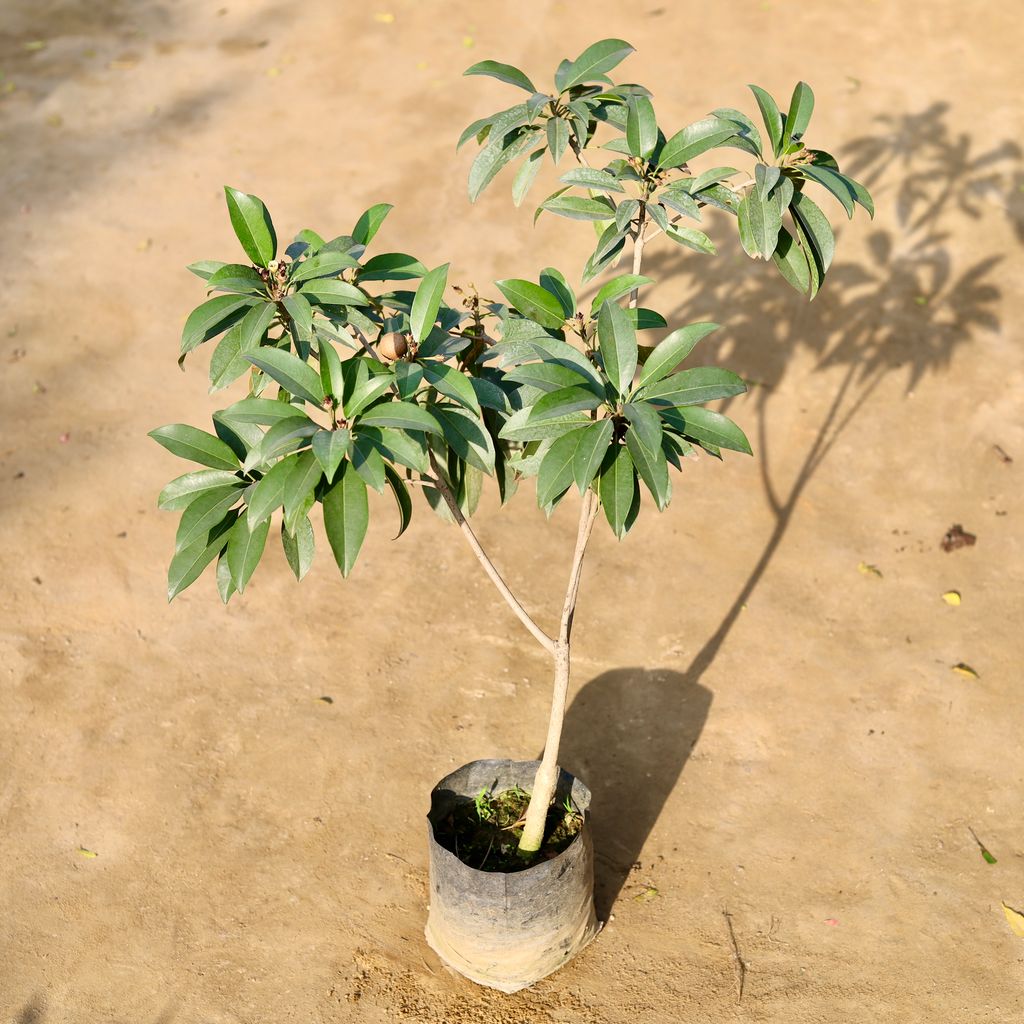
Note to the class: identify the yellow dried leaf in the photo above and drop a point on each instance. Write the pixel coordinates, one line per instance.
(869, 570)
(1016, 920)
(952, 597)
(965, 670)
(87, 853)
(649, 893)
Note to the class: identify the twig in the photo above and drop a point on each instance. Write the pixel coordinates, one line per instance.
(741, 965)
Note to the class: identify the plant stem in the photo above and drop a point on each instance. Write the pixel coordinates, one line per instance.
(453, 506)
(547, 774)
(638, 251)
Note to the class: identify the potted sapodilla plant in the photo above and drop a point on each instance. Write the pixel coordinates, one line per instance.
(358, 379)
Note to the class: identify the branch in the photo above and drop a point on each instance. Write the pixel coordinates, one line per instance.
(588, 514)
(453, 506)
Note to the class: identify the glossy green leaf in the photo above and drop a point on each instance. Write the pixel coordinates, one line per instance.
(525, 176)
(427, 302)
(368, 392)
(503, 72)
(579, 208)
(236, 277)
(330, 447)
(205, 269)
(703, 425)
(265, 411)
(595, 61)
(404, 415)
(533, 301)
(203, 513)
(590, 452)
(283, 437)
(300, 311)
(695, 386)
(817, 228)
(245, 548)
(408, 377)
(346, 516)
(680, 202)
(672, 350)
(300, 485)
(693, 140)
(617, 345)
(225, 585)
(187, 565)
(652, 466)
(641, 127)
(520, 427)
(837, 184)
(765, 178)
(557, 129)
(252, 226)
(328, 291)
(182, 490)
(406, 449)
(325, 264)
(268, 494)
(615, 289)
(588, 177)
(369, 222)
(496, 155)
(467, 436)
(299, 547)
(196, 445)
(547, 376)
(453, 384)
(555, 474)
(800, 108)
(295, 376)
(332, 377)
(748, 138)
(392, 266)
(211, 318)
(645, 422)
(564, 401)
(770, 115)
(692, 238)
(368, 462)
(617, 487)
(402, 499)
(792, 263)
(759, 222)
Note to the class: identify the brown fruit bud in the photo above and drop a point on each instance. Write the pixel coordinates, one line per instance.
(392, 347)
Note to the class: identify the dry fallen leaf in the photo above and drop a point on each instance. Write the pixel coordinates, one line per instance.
(87, 853)
(869, 570)
(1016, 919)
(952, 597)
(965, 670)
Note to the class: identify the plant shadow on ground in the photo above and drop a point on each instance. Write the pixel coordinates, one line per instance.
(906, 309)
(34, 1012)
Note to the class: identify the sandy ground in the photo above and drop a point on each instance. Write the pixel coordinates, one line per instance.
(775, 739)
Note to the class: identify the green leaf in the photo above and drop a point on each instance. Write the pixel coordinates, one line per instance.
(765, 178)
(800, 108)
(205, 269)
(196, 445)
(467, 436)
(817, 228)
(453, 384)
(533, 301)
(555, 474)
(645, 422)
(680, 202)
(792, 263)
(559, 403)
(187, 565)
(299, 547)
(587, 177)
(225, 586)
(402, 499)
(392, 266)
(406, 449)
(211, 318)
(645, 319)
(759, 222)
(330, 447)
(615, 289)
(235, 277)
(265, 411)
(332, 377)
(182, 490)
(652, 466)
(295, 376)
(590, 452)
(495, 155)
(748, 138)
(693, 140)
(503, 72)
(327, 291)
(558, 137)
(427, 302)
(368, 462)
(703, 425)
(519, 426)
(770, 115)
(837, 184)
(346, 516)
(617, 487)
(203, 513)
(299, 487)
(245, 548)
(404, 415)
(252, 226)
(578, 208)
(554, 281)
(369, 222)
(284, 436)
(692, 238)
(546, 376)
(325, 264)
(300, 311)
(367, 392)
(617, 344)
(595, 61)
(268, 494)
(693, 387)
(641, 127)
(673, 350)
(408, 377)
(526, 175)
